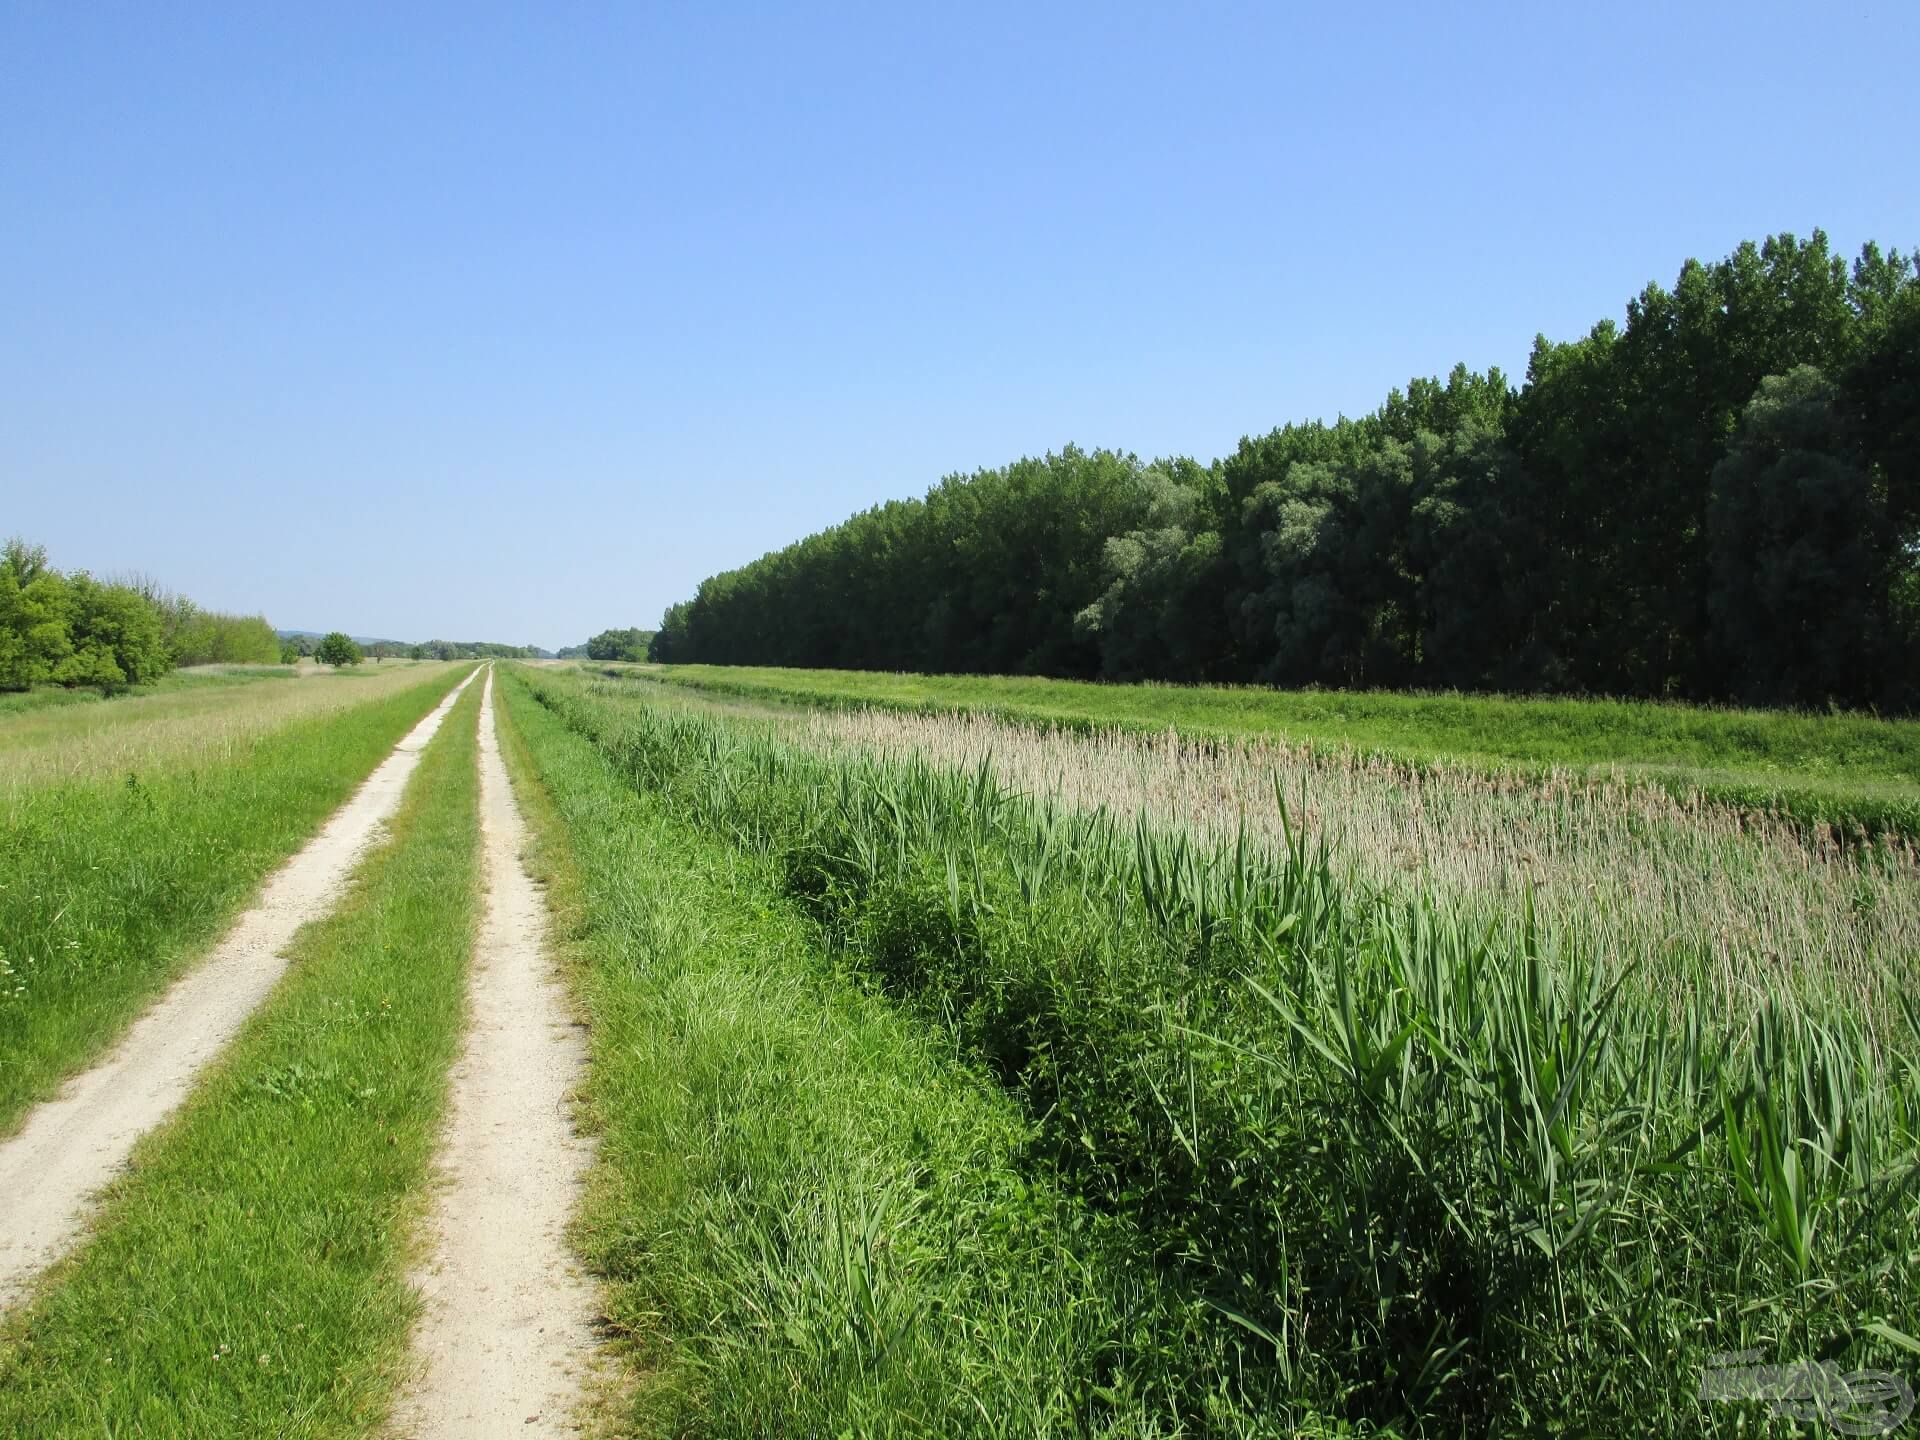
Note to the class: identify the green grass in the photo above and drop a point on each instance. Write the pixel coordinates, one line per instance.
(811, 1217)
(110, 885)
(248, 1277)
(1853, 770)
(1388, 1170)
(54, 696)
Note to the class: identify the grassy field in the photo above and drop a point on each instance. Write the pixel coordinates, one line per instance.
(182, 721)
(1851, 771)
(201, 677)
(249, 1276)
(1388, 1167)
(127, 841)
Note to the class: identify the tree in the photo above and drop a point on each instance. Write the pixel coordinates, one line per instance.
(1802, 551)
(1578, 534)
(337, 648)
(289, 653)
(34, 604)
(629, 644)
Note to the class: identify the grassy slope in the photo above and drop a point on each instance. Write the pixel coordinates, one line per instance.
(810, 1217)
(249, 1275)
(1821, 766)
(107, 888)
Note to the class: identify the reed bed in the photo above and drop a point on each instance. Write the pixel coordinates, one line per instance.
(1385, 1165)
(1690, 890)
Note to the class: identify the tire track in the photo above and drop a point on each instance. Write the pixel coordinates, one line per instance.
(507, 1336)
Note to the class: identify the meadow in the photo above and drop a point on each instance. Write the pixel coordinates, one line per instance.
(132, 831)
(1856, 773)
(1314, 1138)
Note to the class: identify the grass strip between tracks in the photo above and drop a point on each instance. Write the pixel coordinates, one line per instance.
(249, 1276)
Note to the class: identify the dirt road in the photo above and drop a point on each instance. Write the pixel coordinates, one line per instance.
(507, 1334)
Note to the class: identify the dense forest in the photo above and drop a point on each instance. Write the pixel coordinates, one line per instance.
(61, 628)
(1718, 499)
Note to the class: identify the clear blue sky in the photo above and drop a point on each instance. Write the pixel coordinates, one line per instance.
(514, 323)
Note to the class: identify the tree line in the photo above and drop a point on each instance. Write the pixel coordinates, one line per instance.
(295, 646)
(69, 628)
(1718, 499)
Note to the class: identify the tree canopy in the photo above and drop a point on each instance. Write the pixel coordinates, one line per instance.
(618, 645)
(337, 648)
(1718, 498)
(73, 629)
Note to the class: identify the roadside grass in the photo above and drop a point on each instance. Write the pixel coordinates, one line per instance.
(110, 884)
(811, 1216)
(1853, 771)
(249, 1275)
(1411, 1174)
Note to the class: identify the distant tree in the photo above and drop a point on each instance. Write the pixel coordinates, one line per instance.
(416, 652)
(289, 653)
(629, 644)
(337, 648)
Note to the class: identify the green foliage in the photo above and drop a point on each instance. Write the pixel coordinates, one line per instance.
(337, 648)
(1381, 1171)
(72, 629)
(1558, 537)
(1798, 536)
(75, 630)
(208, 637)
(619, 645)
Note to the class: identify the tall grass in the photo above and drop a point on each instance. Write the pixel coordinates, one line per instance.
(111, 880)
(185, 720)
(1857, 774)
(1407, 1168)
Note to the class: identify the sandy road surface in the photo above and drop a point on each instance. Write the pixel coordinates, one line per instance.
(506, 1338)
(74, 1143)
